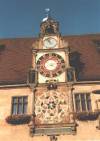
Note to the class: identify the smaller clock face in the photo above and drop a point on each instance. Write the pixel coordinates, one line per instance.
(50, 42)
(51, 65)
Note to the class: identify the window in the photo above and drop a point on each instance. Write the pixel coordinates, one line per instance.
(2, 47)
(82, 102)
(70, 74)
(32, 76)
(49, 29)
(19, 105)
(97, 44)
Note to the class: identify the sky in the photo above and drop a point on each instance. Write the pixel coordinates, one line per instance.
(22, 18)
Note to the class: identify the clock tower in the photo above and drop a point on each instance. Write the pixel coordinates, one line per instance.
(51, 78)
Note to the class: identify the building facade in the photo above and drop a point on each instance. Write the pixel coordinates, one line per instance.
(50, 86)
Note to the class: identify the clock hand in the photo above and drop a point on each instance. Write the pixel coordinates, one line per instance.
(49, 41)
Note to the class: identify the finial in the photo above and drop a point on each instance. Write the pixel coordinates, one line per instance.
(47, 10)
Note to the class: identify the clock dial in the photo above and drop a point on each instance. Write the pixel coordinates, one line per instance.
(51, 65)
(50, 42)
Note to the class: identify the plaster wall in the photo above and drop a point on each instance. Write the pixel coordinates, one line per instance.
(86, 130)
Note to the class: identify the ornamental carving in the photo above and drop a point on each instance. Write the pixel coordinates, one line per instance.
(51, 107)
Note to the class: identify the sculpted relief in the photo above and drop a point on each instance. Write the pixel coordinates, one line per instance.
(51, 107)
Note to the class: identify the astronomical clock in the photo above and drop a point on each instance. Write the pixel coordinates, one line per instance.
(51, 78)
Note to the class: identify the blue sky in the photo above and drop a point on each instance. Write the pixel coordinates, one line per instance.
(21, 18)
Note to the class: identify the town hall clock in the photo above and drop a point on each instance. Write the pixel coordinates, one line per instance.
(51, 88)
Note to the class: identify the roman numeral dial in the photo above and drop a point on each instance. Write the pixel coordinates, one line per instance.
(50, 42)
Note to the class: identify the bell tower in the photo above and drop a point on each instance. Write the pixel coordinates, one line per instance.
(49, 26)
(51, 78)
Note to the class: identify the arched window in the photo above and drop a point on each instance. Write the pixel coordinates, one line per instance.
(49, 29)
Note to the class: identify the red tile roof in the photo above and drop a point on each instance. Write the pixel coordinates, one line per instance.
(89, 55)
(15, 60)
(16, 57)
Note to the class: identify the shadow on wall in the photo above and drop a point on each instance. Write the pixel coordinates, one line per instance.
(75, 62)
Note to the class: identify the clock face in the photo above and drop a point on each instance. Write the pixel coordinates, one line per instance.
(50, 42)
(51, 65)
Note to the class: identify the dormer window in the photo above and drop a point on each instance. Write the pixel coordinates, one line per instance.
(97, 44)
(2, 47)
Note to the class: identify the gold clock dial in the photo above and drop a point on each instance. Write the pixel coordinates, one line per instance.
(51, 65)
(50, 42)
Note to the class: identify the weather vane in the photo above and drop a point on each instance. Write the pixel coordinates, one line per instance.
(47, 10)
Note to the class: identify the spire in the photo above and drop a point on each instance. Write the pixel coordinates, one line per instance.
(47, 10)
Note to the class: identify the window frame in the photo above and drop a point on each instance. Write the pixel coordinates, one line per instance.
(86, 101)
(19, 103)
